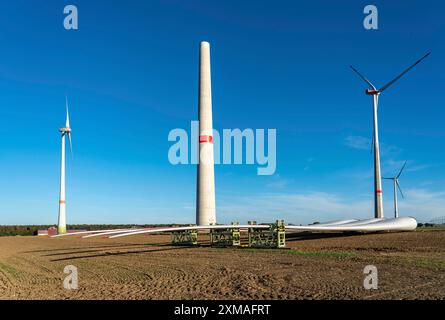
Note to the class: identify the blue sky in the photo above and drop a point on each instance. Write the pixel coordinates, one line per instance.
(130, 73)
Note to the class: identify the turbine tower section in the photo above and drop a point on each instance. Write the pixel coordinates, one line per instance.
(66, 131)
(205, 202)
(378, 198)
(61, 226)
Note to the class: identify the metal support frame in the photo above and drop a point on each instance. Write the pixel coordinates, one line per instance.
(274, 237)
(226, 237)
(185, 238)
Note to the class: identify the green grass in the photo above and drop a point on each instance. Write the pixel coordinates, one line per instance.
(325, 254)
(429, 229)
(435, 264)
(430, 264)
(9, 269)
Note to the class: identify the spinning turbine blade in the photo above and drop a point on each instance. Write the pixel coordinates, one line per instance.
(400, 172)
(67, 125)
(363, 78)
(401, 75)
(400, 189)
(71, 144)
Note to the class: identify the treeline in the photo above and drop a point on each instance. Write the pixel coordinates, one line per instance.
(20, 230)
(428, 225)
(32, 230)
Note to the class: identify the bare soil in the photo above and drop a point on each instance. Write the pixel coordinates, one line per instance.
(410, 265)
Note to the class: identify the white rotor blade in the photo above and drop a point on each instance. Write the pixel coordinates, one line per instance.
(209, 227)
(363, 77)
(398, 224)
(71, 144)
(400, 172)
(67, 125)
(400, 189)
(86, 232)
(105, 233)
(401, 75)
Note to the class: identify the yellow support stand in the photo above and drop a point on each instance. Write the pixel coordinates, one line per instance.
(226, 237)
(274, 237)
(185, 238)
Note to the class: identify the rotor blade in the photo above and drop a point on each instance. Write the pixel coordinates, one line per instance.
(400, 189)
(363, 78)
(71, 144)
(67, 125)
(400, 172)
(401, 75)
(387, 178)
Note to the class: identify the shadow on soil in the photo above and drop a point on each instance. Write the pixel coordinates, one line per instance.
(313, 236)
(99, 249)
(96, 247)
(123, 253)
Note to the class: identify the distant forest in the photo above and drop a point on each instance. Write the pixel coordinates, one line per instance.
(32, 230)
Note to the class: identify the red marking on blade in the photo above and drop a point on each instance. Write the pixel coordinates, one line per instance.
(204, 139)
(378, 191)
(62, 201)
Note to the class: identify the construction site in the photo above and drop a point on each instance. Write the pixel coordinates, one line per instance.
(148, 237)
(411, 265)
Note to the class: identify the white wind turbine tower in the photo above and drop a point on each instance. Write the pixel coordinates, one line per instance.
(397, 187)
(66, 131)
(378, 200)
(205, 196)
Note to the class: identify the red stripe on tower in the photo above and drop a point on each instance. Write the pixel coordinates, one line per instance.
(378, 191)
(205, 139)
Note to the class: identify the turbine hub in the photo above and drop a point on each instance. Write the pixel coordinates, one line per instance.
(371, 92)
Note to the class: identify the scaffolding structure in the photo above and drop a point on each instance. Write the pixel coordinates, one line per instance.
(274, 237)
(226, 237)
(185, 238)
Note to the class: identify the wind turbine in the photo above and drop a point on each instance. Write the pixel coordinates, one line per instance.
(66, 131)
(205, 195)
(375, 93)
(397, 186)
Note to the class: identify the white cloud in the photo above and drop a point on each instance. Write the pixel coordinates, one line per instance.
(364, 143)
(423, 204)
(358, 142)
(308, 162)
(295, 208)
(277, 182)
(305, 208)
(389, 166)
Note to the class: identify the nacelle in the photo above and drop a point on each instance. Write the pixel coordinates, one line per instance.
(371, 92)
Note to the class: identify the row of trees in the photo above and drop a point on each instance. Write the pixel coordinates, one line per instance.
(20, 230)
(32, 230)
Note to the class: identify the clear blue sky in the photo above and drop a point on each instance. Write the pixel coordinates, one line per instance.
(130, 73)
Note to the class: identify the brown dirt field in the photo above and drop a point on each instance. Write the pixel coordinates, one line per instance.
(411, 266)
